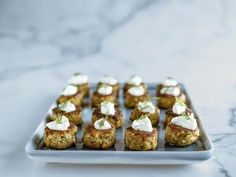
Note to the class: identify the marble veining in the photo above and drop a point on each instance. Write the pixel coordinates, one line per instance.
(42, 43)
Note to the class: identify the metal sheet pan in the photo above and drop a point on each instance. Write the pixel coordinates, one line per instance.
(164, 154)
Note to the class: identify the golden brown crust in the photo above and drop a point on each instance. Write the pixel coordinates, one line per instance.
(60, 139)
(84, 89)
(76, 99)
(98, 98)
(168, 119)
(179, 136)
(131, 101)
(74, 116)
(154, 117)
(140, 140)
(167, 101)
(98, 139)
(115, 87)
(116, 120)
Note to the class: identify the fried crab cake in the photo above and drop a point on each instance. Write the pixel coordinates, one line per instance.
(99, 135)
(60, 134)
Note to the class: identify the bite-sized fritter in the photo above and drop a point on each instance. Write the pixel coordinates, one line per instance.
(60, 134)
(100, 135)
(141, 135)
(182, 131)
(71, 93)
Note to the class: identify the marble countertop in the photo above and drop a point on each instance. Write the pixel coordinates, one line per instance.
(43, 42)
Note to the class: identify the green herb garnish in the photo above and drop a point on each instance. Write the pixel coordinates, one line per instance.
(58, 119)
(143, 116)
(62, 106)
(102, 122)
(186, 117)
(179, 101)
(144, 105)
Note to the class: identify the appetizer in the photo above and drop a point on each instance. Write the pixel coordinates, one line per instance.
(146, 108)
(60, 133)
(178, 109)
(71, 111)
(111, 81)
(103, 93)
(99, 135)
(113, 113)
(133, 82)
(141, 135)
(134, 95)
(182, 131)
(168, 92)
(81, 82)
(72, 94)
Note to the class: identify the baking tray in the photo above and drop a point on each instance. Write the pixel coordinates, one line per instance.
(164, 154)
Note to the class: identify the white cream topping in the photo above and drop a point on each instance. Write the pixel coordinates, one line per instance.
(170, 82)
(69, 90)
(175, 91)
(146, 106)
(179, 108)
(60, 125)
(102, 124)
(107, 108)
(143, 124)
(135, 80)
(188, 122)
(136, 91)
(105, 90)
(78, 79)
(67, 107)
(109, 80)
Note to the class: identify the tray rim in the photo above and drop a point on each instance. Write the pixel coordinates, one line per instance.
(161, 157)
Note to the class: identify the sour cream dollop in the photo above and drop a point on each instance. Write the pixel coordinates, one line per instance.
(135, 80)
(105, 90)
(179, 108)
(67, 107)
(143, 124)
(146, 106)
(109, 80)
(102, 124)
(188, 122)
(60, 125)
(169, 82)
(107, 108)
(69, 90)
(136, 91)
(175, 91)
(78, 79)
